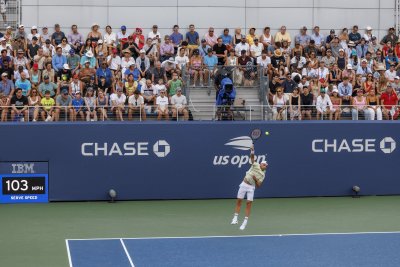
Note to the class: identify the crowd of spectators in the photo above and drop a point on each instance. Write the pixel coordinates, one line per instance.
(346, 72)
(47, 74)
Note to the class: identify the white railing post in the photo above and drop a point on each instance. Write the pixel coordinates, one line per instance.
(250, 113)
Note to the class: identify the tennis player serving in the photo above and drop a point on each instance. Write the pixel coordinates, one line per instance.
(254, 178)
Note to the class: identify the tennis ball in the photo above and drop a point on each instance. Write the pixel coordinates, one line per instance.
(266, 133)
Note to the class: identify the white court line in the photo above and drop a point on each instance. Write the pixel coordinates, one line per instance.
(238, 236)
(126, 252)
(69, 254)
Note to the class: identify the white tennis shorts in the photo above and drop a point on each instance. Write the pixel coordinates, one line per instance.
(246, 189)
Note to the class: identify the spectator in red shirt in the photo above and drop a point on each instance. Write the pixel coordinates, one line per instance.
(138, 38)
(389, 101)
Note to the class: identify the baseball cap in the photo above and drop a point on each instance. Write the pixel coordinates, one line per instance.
(263, 162)
(123, 28)
(72, 51)
(34, 28)
(4, 74)
(341, 49)
(349, 66)
(178, 89)
(46, 77)
(323, 90)
(142, 51)
(332, 31)
(9, 27)
(34, 38)
(397, 78)
(304, 28)
(66, 66)
(21, 26)
(2, 39)
(364, 60)
(64, 92)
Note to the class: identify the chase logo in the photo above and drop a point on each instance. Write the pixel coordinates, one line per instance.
(161, 148)
(240, 143)
(388, 145)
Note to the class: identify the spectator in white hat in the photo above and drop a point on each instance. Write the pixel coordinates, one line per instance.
(364, 69)
(368, 34)
(8, 35)
(21, 32)
(34, 33)
(5, 46)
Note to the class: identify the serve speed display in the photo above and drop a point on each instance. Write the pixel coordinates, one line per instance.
(23, 182)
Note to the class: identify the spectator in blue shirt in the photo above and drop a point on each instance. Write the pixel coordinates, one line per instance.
(192, 37)
(303, 38)
(58, 60)
(226, 37)
(355, 36)
(6, 86)
(211, 61)
(176, 38)
(24, 84)
(391, 59)
(132, 70)
(203, 48)
(105, 72)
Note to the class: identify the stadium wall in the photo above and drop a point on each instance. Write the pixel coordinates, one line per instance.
(379, 14)
(193, 160)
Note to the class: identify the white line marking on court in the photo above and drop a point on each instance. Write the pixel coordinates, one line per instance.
(126, 252)
(69, 254)
(238, 236)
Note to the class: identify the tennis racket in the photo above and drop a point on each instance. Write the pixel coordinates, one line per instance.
(255, 134)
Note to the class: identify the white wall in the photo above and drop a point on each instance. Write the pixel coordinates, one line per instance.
(328, 14)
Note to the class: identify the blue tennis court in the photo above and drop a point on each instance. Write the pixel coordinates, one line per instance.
(344, 249)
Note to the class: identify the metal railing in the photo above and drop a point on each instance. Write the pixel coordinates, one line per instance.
(197, 112)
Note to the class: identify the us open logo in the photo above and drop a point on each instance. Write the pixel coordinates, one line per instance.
(238, 159)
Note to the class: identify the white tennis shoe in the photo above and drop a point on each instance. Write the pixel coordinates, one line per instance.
(243, 226)
(234, 220)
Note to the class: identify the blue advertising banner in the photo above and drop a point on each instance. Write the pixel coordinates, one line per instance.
(196, 160)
